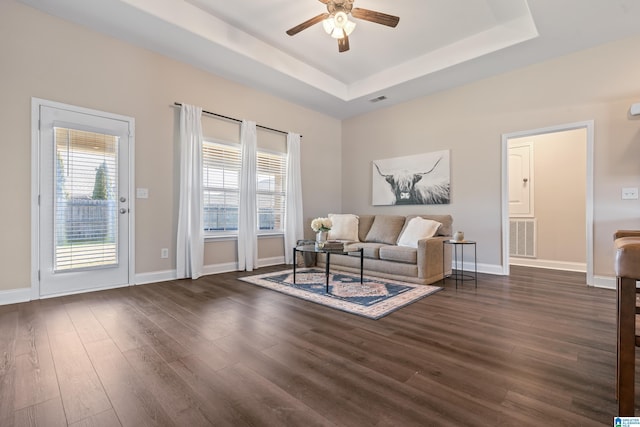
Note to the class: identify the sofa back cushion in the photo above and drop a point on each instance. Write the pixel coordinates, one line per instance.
(386, 229)
(364, 225)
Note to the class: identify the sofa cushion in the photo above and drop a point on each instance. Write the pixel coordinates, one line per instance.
(365, 222)
(399, 254)
(369, 250)
(417, 228)
(345, 227)
(385, 229)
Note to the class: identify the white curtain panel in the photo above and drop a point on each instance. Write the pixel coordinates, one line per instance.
(293, 217)
(190, 247)
(247, 209)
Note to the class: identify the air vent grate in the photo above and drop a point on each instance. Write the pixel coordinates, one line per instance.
(378, 99)
(522, 236)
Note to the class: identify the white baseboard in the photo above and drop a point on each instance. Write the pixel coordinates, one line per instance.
(604, 282)
(165, 276)
(580, 267)
(267, 262)
(482, 268)
(15, 296)
(219, 268)
(155, 276)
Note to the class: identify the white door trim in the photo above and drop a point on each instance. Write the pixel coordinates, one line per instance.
(36, 103)
(589, 126)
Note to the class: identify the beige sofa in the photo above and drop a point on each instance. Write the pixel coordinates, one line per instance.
(378, 235)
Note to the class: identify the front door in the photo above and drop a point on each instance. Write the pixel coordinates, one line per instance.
(84, 200)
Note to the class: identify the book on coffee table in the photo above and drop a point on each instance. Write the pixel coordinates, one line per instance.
(334, 245)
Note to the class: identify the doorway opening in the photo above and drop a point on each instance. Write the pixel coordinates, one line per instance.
(524, 221)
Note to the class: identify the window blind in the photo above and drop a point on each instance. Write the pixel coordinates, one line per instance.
(221, 176)
(271, 187)
(85, 208)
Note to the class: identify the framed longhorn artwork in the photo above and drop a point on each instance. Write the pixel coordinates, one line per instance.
(421, 179)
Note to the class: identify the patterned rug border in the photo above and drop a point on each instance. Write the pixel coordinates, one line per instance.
(375, 311)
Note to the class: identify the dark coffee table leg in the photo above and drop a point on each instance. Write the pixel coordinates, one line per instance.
(361, 263)
(294, 266)
(327, 272)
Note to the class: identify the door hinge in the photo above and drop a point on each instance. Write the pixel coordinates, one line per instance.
(38, 200)
(38, 275)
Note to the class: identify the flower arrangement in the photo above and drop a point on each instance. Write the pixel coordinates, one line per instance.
(321, 224)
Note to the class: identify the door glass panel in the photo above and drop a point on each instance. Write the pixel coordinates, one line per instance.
(85, 200)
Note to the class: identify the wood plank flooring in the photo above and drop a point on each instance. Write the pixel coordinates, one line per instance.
(533, 349)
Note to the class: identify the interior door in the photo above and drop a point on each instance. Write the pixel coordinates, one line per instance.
(520, 184)
(84, 201)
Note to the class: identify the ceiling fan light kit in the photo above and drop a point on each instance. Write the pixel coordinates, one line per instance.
(339, 25)
(336, 22)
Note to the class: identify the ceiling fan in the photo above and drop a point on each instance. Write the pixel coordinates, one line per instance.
(336, 20)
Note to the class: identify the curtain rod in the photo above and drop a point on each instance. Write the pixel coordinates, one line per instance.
(177, 104)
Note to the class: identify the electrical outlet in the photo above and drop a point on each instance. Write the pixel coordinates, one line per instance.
(164, 253)
(142, 193)
(630, 193)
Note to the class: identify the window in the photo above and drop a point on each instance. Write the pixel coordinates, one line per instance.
(221, 182)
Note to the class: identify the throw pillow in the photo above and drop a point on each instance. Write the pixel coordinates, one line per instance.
(418, 229)
(345, 227)
(385, 229)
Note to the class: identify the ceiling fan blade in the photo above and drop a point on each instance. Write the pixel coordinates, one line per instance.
(343, 44)
(306, 24)
(373, 16)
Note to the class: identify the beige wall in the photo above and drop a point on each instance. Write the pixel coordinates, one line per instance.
(597, 84)
(46, 57)
(559, 177)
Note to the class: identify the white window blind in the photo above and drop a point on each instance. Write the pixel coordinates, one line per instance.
(270, 190)
(85, 208)
(221, 180)
(221, 175)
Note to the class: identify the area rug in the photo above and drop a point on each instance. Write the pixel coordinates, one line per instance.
(374, 298)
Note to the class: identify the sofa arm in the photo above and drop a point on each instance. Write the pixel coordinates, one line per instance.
(626, 233)
(430, 259)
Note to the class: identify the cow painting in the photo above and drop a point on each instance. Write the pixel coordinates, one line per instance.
(413, 180)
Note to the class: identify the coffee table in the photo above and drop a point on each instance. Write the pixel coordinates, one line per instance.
(328, 252)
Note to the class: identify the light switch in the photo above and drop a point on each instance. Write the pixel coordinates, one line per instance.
(630, 193)
(142, 193)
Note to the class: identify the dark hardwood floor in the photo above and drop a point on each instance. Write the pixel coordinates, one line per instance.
(533, 349)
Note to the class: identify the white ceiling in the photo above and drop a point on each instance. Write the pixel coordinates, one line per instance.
(438, 44)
